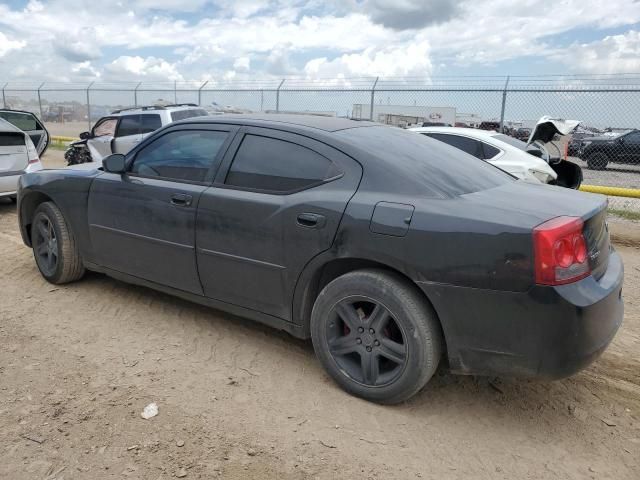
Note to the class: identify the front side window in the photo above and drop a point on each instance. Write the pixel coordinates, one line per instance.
(466, 144)
(105, 127)
(184, 155)
(270, 164)
(150, 123)
(129, 125)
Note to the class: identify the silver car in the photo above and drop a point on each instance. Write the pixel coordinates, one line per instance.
(18, 151)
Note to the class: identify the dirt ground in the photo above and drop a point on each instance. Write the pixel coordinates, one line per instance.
(78, 364)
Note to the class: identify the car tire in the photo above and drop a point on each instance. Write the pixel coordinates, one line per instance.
(597, 161)
(376, 335)
(54, 246)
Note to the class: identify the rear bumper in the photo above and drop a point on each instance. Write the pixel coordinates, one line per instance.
(549, 332)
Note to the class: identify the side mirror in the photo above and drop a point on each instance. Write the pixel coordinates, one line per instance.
(85, 135)
(114, 163)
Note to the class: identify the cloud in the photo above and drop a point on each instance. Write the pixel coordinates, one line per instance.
(612, 54)
(409, 60)
(78, 46)
(134, 68)
(203, 39)
(7, 45)
(411, 14)
(242, 64)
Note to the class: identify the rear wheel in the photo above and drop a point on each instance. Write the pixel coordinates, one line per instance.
(597, 161)
(376, 336)
(54, 246)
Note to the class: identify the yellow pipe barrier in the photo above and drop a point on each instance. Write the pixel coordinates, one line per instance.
(612, 191)
(58, 139)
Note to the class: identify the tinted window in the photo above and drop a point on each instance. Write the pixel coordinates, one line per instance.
(190, 113)
(489, 151)
(24, 121)
(466, 144)
(10, 139)
(149, 123)
(184, 155)
(105, 127)
(399, 161)
(129, 125)
(264, 163)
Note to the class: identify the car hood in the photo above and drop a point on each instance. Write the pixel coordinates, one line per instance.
(548, 127)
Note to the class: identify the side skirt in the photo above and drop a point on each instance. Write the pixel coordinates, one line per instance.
(269, 320)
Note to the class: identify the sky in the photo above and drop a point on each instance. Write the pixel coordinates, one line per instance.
(199, 40)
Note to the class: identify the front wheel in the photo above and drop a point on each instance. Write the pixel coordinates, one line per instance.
(54, 246)
(376, 335)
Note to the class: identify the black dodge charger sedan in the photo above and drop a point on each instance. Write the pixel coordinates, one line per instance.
(388, 249)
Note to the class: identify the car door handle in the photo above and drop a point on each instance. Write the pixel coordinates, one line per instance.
(311, 220)
(181, 199)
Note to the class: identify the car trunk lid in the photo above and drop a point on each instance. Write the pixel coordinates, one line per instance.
(14, 156)
(528, 205)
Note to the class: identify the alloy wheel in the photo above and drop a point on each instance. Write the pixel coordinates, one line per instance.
(366, 341)
(46, 246)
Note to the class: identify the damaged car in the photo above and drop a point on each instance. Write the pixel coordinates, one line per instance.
(18, 155)
(31, 125)
(533, 161)
(124, 129)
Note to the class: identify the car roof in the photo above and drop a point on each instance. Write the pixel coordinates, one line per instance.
(154, 109)
(470, 132)
(318, 122)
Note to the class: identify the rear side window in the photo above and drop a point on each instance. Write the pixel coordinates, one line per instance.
(129, 125)
(489, 151)
(150, 123)
(10, 139)
(190, 113)
(466, 144)
(186, 155)
(270, 164)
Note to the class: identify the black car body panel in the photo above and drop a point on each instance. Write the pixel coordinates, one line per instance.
(461, 234)
(622, 149)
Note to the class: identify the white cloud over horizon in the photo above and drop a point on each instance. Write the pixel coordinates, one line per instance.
(175, 40)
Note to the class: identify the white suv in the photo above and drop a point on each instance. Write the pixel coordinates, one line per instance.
(123, 129)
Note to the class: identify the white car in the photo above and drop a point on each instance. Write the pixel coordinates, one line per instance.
(18, 155)
(530, 161)
(504, 152)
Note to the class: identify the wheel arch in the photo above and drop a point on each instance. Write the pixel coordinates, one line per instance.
(29, 202)
(320, 273)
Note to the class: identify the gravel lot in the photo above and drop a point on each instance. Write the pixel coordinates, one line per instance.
(78, 364)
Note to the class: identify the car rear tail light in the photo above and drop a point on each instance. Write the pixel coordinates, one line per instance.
(560, 251)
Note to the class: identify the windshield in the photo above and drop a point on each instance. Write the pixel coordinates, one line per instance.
(406, 162)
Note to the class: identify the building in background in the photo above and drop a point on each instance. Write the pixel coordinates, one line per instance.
(405, 115)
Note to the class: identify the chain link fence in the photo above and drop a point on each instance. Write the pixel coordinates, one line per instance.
(606, 144)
